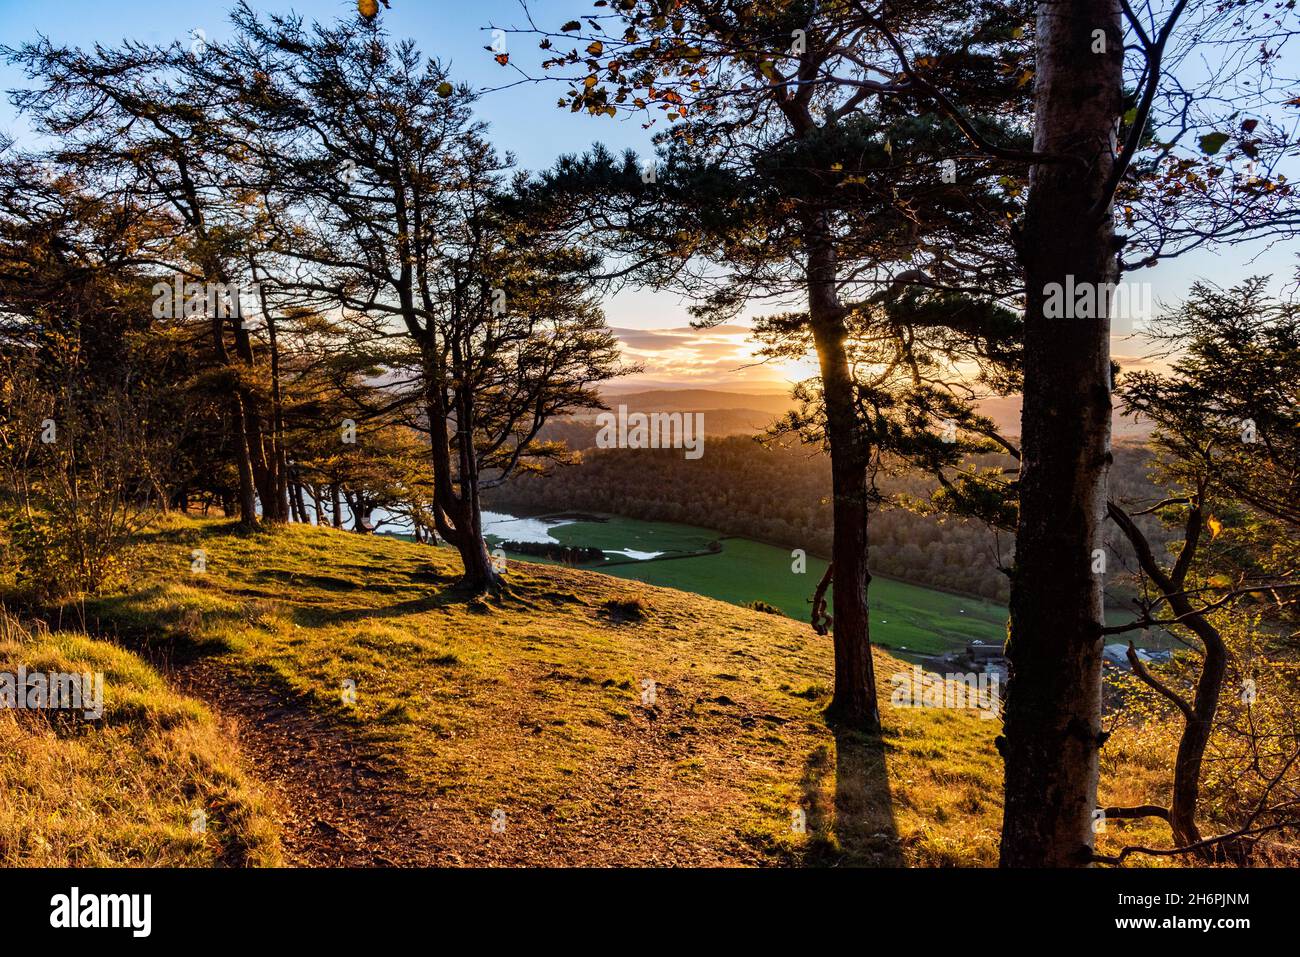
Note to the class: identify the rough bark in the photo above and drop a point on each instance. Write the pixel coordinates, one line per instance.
(317, 505)
(265, 473)
(361, 510)
(456, 510)
(247, 496)
(247, 488)
(297, 504)
(1052, 731)
(854, 701)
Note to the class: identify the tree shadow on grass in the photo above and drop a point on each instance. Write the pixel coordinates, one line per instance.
(852, 824)
(448, 596)
(148, 623)
(185, 533)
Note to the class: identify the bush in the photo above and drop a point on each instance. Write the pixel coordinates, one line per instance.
(79, 504)
(33, 555)
(53, 559)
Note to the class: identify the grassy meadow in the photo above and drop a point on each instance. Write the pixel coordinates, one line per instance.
(532, 705)
(904, 616)
(311, 688)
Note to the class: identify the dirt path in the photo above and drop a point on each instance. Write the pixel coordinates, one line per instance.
(337, 803)
(342, 803)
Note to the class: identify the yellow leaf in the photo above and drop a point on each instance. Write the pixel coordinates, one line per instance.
(1215, 526)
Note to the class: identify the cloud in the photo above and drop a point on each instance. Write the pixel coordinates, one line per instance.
(723, 355)
(650, 340)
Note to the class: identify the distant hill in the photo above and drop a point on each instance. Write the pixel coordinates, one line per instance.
(700, 400)
(747, 413)
(725, 413)
(1005, 411)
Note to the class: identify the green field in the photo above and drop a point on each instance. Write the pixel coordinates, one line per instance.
(903, 617)
(616, 532)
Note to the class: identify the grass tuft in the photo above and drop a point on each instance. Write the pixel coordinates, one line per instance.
(122, 790)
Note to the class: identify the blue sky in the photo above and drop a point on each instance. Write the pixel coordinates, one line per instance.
(524, 119)
(526, 122)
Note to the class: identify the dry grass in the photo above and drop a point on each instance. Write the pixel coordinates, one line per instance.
(120, 791)
(532, 705)
(1137, 768)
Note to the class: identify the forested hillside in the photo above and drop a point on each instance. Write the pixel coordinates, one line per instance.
(780, 494)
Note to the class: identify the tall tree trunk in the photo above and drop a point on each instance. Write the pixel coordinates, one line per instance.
(456, 511)
(314, 491)
(479, 570)
(277, 462)
(361, 510)
(1052, 731)
(1187, 772)
(247, 499)
(465, 532)
(247, 488)
(338, 505)
(299, 503)
(250, 459)
(854, 701)
(263, 465)
(297, 511)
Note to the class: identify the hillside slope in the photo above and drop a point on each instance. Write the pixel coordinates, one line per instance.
(527, 713)
(154, 781)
